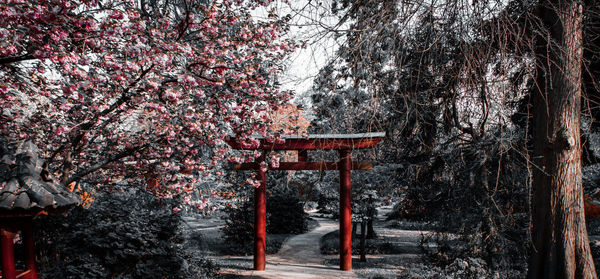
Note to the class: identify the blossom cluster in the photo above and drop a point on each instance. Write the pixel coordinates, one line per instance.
(119, 90)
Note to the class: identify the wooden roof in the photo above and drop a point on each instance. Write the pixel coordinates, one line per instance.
(23, 191)
(314, 141)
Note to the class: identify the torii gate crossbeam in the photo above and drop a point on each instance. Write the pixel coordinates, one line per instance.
(344, 143)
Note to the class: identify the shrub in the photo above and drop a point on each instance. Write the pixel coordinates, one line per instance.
(412, 205)
(329, 244)
(478, 194)
(239, 224)
(285, 215)
(328, 205)
(119, 236)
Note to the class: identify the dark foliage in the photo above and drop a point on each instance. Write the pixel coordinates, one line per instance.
(328, 203)
(411, 207)
(593, 228)
(132, 235)
(330, 245)
(285, 215)
(479, 194)
(239, 228)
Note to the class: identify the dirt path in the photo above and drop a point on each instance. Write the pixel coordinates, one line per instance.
(299, 257)
(304, 248)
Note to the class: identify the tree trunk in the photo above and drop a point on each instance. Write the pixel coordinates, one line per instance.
(561, 247)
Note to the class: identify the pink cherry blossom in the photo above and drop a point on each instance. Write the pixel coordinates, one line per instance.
(143, 95)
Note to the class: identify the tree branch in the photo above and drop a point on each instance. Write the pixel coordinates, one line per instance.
(8, 60)
(125, 153)
(74, 142)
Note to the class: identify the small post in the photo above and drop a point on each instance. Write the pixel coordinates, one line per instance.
(8, 254)
(372, 214)
(29, 243)
(370, 231)
(345, 210)
(363, 234)
(260, 219)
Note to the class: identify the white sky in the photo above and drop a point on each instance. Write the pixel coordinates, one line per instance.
(310, 22)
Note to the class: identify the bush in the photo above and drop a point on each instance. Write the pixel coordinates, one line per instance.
(477, 193)
(476, 196)
(119, 236)
(329, 244)
(411, 207)
(329, 204)
(462, 267)
(239, 224)
(285, 215)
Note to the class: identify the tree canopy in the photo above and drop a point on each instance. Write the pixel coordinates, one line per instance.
(119, 89)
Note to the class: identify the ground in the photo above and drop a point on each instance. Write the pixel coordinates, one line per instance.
(300, 255)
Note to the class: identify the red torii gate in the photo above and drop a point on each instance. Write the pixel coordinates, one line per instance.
(344, 143)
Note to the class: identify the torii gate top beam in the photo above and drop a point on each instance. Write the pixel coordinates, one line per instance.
(315, 142)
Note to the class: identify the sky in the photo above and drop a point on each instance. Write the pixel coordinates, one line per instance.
(310, 23)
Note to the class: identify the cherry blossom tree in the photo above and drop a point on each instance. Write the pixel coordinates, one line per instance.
(118, 89)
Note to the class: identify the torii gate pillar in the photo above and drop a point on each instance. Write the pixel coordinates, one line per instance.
(345, 210)
(260, 219)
